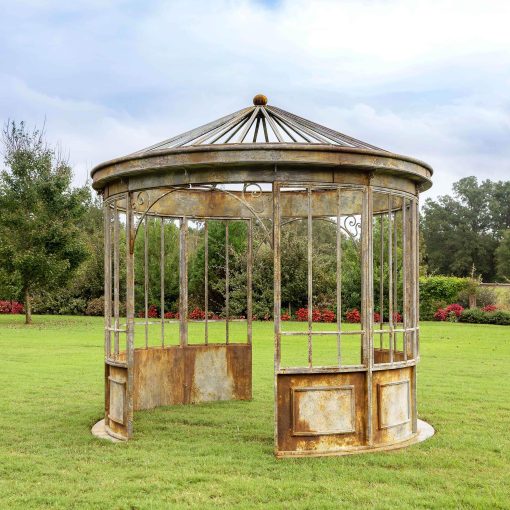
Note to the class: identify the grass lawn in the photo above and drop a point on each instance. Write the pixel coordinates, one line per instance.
(220, 454)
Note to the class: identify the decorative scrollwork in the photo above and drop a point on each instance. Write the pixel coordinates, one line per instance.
(352, 226)
(254, 194)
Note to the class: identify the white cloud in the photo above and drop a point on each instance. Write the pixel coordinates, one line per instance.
(428, 79)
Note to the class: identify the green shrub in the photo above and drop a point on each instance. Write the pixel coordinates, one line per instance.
(477, 316)
(438, 291)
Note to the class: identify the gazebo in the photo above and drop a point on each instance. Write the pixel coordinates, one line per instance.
(269, 169)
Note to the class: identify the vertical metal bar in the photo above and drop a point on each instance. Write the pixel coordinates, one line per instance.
(390, 275)
(367, 307)
(276, 299)
(395, 264)
(338, 279)
(130, 310)
(146, 277)
(381, 280)
(416, 279)
(227, 285)
(107, 281)
(310, 276)
(183, 282)
(406, 265)
(249, 282)
(162, 276)
(206, 281)
(416, 310)
(116, 280)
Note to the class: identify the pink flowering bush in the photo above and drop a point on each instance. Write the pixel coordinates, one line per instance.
(11, 307)
(450, 313)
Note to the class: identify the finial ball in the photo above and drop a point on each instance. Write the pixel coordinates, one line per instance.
(260, 100)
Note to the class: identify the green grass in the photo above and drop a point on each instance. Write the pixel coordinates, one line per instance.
(220, 454)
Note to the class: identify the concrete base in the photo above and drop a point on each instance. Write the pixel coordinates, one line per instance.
(425, 431)
(99, 430)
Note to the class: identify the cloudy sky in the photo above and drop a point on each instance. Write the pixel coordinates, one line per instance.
(430, 79)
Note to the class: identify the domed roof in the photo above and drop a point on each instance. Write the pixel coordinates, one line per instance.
(261, 123)
(256, 143)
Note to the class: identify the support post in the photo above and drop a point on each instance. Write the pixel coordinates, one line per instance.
(249, 283)
(367, 304)
(130, 309)
(183, 282)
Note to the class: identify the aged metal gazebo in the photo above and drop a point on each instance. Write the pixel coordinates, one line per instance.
(270, 169)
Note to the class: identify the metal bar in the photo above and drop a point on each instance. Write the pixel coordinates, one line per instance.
(256, 129)
(130, 310)
(183, 282)
(338, 279)
(381, 279)
(303, 128)
(406, 264)
(416, 278)
(390, 276)
(249, 282)
(234, 127)
(116, 278)
(247, 127)
(282, 125)
(276, 299)
(368, 301)
(236, 130)
(395, 263)
(416, 310)
(184, 138)
(206, 281)
(146, 277)
(107, 280)
(227, 285)
(222, 128)
(162, 277)
(321, 333)
(310, 276)
(322, 370)
(265, 129)
(273, 126)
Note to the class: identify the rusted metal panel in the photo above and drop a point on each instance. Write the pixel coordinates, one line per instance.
(116, 415)
(392, 420)
(192, 374)
(323, 410)
(332, 406)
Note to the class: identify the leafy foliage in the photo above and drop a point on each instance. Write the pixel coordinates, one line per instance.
(42, 244)
(464, 230)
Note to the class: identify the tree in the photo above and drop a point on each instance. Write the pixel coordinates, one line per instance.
(465, 230)
(503, 257)
(42, 244)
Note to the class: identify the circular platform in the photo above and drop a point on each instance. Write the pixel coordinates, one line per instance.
(425, 431)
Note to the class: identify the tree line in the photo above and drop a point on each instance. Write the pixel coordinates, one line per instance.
(51, 244)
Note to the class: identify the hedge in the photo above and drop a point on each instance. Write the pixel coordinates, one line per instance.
(478, 316)
(438, 291)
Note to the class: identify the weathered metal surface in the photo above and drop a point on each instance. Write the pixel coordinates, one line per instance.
(393, 419)
(192, 374)
(116, 405)
(323, 410)
(330, 406)
(205, 202)
(252, 163)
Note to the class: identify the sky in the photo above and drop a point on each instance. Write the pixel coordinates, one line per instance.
(428, 79)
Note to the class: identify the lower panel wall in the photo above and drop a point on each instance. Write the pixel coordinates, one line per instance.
(327, 413)
(320, 412)
(191, 374)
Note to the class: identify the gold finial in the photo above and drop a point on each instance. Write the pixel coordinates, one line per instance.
(260, 100)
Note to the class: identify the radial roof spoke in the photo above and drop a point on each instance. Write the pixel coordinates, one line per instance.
(259, 124)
